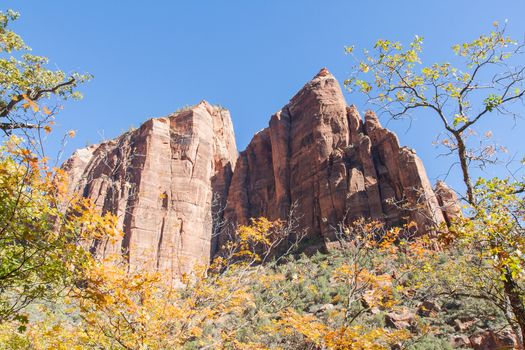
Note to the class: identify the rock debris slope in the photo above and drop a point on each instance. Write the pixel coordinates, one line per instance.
(168, 181)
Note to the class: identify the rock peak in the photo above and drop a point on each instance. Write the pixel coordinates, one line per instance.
(317, 155)
(372, 119)
(322, 89)
(448, 200)
(323, 72)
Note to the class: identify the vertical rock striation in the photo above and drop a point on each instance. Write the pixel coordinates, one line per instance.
(162, 181)
(318, 155)
(448, 200)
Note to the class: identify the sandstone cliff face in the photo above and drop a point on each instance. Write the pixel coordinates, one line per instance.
(449, 202)
(319, 155)
(169, 180)
(162, 181)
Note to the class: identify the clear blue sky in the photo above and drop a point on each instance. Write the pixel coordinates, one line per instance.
(151, 57)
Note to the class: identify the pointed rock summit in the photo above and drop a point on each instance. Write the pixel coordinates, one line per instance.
(319, 156)
(323, 72)
(448, 200)
(169, 180)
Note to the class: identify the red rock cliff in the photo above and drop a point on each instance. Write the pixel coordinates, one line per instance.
(164, 179)
(161, 181)
(319, 154)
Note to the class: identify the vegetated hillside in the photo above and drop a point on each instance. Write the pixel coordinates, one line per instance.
(377, 291)
(317, 287)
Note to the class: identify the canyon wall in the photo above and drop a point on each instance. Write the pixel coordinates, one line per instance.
(173, 180)
(318, 155)
(163, 181)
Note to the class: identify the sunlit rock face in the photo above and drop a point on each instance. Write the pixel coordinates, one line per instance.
(448, 201)
(163, 181)
(172, 181)
(319, 155)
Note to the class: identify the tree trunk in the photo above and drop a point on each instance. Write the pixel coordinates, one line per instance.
(463, 161)
(515, 300)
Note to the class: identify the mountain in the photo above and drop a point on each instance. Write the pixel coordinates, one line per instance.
(319, 156)
(162, 181)
(174, 181)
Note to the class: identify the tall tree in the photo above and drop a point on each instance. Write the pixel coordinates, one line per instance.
(486, 82)
(40, 244)
(25, 81)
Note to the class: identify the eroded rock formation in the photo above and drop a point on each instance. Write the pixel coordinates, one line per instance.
(448, 200)
(161, 181)
(318, 154)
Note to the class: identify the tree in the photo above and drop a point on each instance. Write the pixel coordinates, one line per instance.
(41, 242)
(25, 81)
(207, 309)
(487, 83)
(485, 252)
(236, 302)
(485, 248)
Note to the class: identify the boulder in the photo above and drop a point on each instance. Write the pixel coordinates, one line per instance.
(402, 319)
(428, 308)
(490, 340)
(459, 341)
(464, 324)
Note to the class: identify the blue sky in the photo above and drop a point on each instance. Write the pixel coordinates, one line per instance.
(150, 58)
